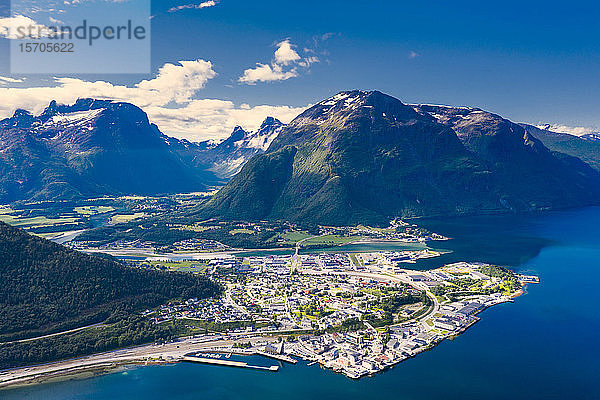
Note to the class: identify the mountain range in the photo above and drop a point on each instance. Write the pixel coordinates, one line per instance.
(101, 147)
(359, 156)
(366, 157)
(227, 157)
(585, 147)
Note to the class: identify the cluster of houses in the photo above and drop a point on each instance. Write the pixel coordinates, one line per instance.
(364, 352)
(207, 310)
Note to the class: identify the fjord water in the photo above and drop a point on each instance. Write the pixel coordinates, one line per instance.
(543, 346)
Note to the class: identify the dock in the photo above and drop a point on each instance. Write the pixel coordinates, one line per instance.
(278, 357)
(228, 363)
(528, 278)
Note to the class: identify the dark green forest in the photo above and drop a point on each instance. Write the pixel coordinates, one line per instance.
(48, 288)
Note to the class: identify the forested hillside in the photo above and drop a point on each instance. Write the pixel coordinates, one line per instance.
(48, 288)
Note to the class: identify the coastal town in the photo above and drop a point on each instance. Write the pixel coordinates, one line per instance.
(355, 313)
(334, 297)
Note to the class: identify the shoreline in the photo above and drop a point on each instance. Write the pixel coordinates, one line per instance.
(148, 253)
(107, 362)
(110, 362)
(75, 373)
(176, 351)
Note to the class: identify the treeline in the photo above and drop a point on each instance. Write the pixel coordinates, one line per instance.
(391, 305)
(48, 288)
(126, 332)
(163, 235)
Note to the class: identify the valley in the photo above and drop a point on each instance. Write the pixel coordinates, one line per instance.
(302, 240)
(328, 304)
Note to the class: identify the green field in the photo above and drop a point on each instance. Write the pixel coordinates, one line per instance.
(122, 218)
(330, 240)
(93, 210)
(35, 222)
(181, 266)
(236, 231)
(294, 237)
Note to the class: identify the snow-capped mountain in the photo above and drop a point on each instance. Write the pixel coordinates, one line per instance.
(93, 147)
(228, 157)
(367, 157)
(592, 137)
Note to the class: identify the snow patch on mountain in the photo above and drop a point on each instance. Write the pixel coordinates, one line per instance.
(570, 130)
(230, 155)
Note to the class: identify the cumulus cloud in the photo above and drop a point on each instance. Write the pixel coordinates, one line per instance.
(9, 26)
(267, 73)
(285, 55)
(173, 83)
(179, 82)
(285, 65)
(571, 130)
(215, 119)
(5, 79)
(168, 99)
(204, 4)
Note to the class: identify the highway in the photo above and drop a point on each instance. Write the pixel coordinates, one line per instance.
(172, 352)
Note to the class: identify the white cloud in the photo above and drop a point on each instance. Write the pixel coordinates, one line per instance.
(413, 54)
(205, 4)
(284, 66)
(5, 79)
(56, 21)
(571, 130)
(173, 83)
(168, 99)
(285, 55)
(267, 73)
(9, 28)
(215, 119)
(179, 82)
(308, 61)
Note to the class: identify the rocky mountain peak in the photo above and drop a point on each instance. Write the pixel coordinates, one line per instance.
(592, 137)
(269, 121)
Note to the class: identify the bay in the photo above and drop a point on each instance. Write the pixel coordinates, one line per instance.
(543, 346)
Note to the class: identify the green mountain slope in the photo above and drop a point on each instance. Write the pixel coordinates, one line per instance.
(527, 175)
(94, 148)
(587, 150)
(48, 288)
(367, 157)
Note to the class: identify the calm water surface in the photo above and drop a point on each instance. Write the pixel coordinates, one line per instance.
(543, 346)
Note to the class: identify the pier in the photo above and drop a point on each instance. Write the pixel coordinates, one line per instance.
(528, 278)
(228, 363)
(278, 357)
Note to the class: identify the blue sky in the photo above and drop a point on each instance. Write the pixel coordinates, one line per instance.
(537, 62)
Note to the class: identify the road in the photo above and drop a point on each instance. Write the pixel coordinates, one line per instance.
(400, 279)
(54, 334)
(233, 303)
(148, 353)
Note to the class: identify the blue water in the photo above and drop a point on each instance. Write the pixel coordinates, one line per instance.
(543, 346)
